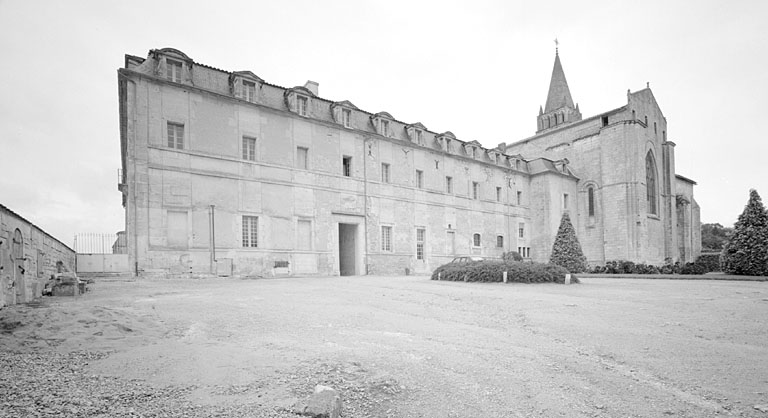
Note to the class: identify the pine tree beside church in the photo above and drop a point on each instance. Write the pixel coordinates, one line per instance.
(746, 252)
(566, 251)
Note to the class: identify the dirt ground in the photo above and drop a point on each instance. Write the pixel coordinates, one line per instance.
(404, 347)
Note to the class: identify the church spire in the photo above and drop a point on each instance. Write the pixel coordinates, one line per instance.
(559, 93)
(559, 109)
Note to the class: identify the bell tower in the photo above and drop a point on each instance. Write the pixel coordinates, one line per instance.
(559, 109)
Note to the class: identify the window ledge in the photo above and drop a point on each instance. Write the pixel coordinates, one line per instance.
(656, 217)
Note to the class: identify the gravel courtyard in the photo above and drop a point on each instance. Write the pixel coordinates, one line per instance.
(393, 347)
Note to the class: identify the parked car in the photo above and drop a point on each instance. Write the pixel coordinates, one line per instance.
(467, 259)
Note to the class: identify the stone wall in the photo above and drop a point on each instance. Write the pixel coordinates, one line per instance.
(170, 191)
(28, 258)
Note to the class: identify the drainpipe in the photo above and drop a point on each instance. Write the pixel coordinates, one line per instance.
(365, 202)
(212, 233)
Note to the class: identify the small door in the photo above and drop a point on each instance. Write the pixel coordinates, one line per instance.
(347, 233)
(19, 271)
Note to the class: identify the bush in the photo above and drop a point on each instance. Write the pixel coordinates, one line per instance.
(512, 256)
(493, 271)
(566, 251)
(693, 268)
(710, 261)
(746, 252)
(628, 267)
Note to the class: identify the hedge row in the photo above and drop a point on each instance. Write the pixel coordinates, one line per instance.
(493, 271)
(710, 261)
(703, 265)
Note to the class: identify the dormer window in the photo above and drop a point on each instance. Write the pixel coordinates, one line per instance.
(301, 105)
(173, 70)
(249, 91)
(494, 155)
(415, 132)
(381, 123)
(444, 140)
(471, 149)
(342, 113)
(299, 101)
(245, 85)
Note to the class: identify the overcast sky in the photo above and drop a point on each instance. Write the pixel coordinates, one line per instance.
(478, 68)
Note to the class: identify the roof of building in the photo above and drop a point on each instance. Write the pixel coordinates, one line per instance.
(6, 208)
(559, 94)
(683, 178)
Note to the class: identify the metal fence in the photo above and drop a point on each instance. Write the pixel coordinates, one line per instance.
(100, 243)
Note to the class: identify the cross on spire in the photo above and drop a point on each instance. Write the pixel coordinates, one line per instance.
(557, 44)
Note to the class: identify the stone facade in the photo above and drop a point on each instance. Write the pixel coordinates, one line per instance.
(225, 173)
(625, 162)
(28, 258)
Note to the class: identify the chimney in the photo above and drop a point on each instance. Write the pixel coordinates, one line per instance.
(502, 147)
(312, 86)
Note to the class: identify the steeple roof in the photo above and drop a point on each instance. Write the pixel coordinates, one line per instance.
(559, 94)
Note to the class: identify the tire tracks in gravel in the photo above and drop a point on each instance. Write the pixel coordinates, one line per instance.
(620, 369)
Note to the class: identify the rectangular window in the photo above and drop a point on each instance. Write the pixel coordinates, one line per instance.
(386, 238)
(519, 198)
(384, 127)
(419, 179)
(175, 135)
(301, 105)
(249, 148)
(475, 190)
(250, 231)
(565, 200)
(450, 242)
(605, 121)
(302, 158)
(498, 194)
(177, 229)
(384, 173)
(420, 137)
(500, 241)
(249, 91)
(448, 184)
(346, 118)
(521, 230)
(173, 70)
(346, 166)
(304, 234)
(420, 238)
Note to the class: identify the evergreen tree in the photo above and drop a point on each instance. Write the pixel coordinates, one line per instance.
(566, 252)
(746, 253)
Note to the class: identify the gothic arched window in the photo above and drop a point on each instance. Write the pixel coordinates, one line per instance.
(650, 182)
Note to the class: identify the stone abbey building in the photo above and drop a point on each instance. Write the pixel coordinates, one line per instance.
(225, 173)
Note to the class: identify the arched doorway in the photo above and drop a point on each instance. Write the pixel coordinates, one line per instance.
(17, 258)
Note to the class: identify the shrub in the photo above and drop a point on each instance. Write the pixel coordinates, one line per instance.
(512, 256)
(746, 252)
(492, 271)
(693, 268)
(710, 261)
(628, 267)
(566, 251)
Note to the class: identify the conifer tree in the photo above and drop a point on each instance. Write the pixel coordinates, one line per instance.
(746, 252)
(566, 251)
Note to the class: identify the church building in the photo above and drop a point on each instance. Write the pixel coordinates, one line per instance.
(630, 202)
(224, 173)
